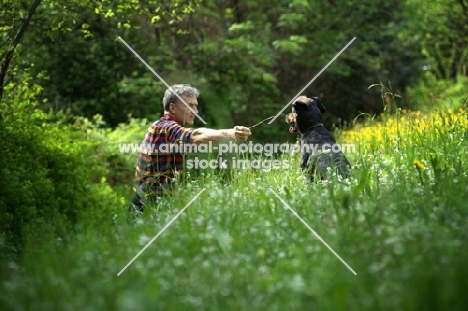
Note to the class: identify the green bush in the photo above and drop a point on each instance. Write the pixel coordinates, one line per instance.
(45, 175)
(430, 92)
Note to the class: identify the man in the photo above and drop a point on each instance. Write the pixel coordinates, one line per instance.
(158, 172)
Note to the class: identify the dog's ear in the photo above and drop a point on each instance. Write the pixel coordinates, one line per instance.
(301, 100)
(319, 104)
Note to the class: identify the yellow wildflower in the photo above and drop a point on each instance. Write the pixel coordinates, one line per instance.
(418, 164)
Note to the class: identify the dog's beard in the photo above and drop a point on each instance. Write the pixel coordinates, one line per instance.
(291, 120)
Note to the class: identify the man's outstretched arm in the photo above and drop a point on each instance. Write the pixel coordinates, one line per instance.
(205, 135)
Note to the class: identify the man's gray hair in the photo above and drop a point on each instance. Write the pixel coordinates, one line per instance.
(179, 89)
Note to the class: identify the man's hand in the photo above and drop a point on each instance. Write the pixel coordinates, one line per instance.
(241, 133)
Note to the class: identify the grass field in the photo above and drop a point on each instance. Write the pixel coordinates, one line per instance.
(400, 222)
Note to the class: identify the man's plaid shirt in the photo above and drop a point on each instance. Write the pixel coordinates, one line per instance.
(156, 171)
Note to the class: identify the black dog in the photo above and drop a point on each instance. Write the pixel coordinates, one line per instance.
(319, 150)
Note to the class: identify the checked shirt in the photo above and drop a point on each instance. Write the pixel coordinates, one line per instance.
(159, 167)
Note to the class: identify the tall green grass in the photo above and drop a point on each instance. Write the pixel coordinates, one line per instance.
(402, 229)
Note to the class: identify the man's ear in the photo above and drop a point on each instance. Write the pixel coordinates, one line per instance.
(172, 108)
(319, 104)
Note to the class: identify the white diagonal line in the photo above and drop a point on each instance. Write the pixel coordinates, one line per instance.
(313, 79)
(160, 232)
(312, 230)
(159, 77)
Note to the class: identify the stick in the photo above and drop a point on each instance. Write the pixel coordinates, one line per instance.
(260, 123)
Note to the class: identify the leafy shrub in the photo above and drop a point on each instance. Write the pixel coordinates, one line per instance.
(430, 91)
(107, 146)
(44, 173)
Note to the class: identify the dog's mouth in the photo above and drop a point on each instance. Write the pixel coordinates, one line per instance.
(291, 120)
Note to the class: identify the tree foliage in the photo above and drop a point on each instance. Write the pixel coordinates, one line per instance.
(441, 28)
(249, 58)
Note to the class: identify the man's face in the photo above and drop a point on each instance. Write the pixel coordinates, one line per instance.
(181, 113)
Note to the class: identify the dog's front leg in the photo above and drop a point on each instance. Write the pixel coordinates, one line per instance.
(305, 160)
(307, 165)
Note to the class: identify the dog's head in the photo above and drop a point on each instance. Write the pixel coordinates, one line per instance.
(306, 113)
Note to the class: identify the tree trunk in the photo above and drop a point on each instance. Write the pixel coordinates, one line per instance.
(6, 58)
